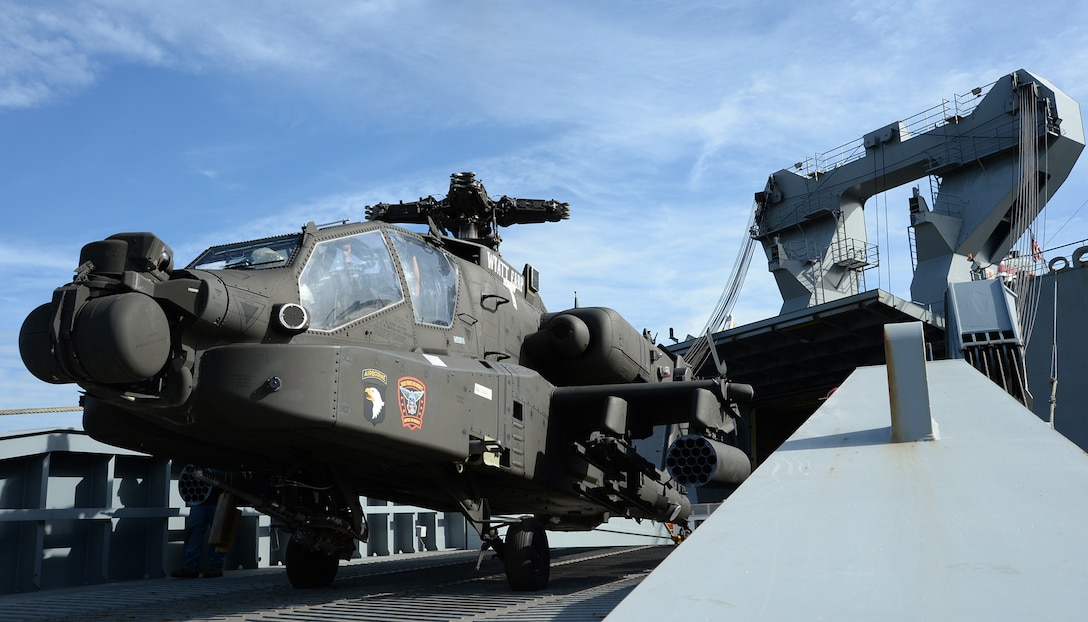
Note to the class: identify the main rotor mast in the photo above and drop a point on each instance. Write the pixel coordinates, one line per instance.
(468, 213)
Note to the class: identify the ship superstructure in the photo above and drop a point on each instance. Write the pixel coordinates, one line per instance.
(993, 158)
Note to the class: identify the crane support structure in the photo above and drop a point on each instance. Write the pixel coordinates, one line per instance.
(810, 219)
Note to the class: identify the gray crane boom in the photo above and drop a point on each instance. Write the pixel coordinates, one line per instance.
(810, 219)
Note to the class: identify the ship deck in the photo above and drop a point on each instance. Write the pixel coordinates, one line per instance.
(586, 584)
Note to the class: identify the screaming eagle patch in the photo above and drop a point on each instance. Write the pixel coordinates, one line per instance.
(412, 399)
(374, 382)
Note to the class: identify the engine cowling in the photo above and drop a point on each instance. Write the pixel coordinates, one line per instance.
(588, 345)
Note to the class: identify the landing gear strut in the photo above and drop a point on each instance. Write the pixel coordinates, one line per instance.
(524, 553)
(526, 556)
(320, 509)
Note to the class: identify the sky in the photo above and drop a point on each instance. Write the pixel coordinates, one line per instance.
(212, 122)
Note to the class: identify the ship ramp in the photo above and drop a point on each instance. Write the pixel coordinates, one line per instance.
(978, 510)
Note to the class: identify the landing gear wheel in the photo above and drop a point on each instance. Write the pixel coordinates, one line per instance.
(526, 556)
(307, 568)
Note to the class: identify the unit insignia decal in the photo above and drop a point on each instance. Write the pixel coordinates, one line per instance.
(412, 399)
(374, 383)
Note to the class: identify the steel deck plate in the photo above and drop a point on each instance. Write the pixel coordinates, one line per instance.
(586, 584)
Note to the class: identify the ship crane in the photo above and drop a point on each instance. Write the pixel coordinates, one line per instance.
(810, 219)
(998, 155)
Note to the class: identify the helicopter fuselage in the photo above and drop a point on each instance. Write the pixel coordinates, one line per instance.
(367, 359)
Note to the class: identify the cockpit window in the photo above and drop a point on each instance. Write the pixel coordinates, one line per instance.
(431, 276)
(255, 255)
(348, 278)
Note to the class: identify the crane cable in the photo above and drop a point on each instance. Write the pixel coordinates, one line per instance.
(699, 351)
(1026, 213)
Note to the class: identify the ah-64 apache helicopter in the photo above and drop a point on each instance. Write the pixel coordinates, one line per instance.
(367, 359)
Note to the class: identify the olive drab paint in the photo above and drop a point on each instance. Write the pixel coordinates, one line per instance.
(364, 358)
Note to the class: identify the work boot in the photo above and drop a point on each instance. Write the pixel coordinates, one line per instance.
(185, 573)
(213, 573)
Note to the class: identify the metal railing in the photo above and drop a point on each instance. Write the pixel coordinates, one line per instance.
(948, 111)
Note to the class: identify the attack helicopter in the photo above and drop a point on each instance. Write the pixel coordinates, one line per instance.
(366, 358)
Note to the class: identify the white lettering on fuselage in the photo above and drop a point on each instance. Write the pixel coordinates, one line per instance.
(482, 391)
(511, 278)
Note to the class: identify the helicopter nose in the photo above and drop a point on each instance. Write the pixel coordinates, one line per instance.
(115, 340)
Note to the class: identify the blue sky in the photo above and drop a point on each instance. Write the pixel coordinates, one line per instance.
(210, 122)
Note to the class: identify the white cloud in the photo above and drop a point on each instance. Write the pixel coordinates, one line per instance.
(657, 121)
(50, 53)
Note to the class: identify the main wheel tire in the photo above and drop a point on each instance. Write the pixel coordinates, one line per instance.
(307, 568)
(527, 557)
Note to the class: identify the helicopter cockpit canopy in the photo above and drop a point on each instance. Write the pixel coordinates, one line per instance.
(350, 277)
(347, 278)
(431, 277)
(253, 255)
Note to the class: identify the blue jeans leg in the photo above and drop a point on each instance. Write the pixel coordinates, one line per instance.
(197, 527)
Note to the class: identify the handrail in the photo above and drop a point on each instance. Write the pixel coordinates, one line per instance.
(944, 113)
